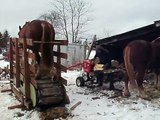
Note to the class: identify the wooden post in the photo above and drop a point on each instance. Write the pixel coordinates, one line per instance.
(58, 61)
(16, 106)
(11, 58)
(17, 64)
(91, 47)
(26, 71)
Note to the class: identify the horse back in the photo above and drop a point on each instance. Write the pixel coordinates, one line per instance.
(35, 29)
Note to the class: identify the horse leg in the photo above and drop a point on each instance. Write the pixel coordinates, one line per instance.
(158, 82)
(126, 88)
(139, 79)
(157, 79)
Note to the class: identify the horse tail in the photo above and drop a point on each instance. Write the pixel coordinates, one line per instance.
(47, 48)
(129, 67)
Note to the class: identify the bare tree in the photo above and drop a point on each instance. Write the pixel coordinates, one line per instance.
(51, 17)
(4, 39)
(69, 17)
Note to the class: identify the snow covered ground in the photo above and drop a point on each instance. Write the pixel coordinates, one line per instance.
(96, 103)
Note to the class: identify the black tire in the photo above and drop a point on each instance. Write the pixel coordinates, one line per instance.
(80, 81)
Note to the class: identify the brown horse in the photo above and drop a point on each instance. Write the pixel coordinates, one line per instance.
(39, 30)
(140, 55)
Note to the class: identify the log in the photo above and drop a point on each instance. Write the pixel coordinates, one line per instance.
(16, 106)
(75, 105)
(6, 90)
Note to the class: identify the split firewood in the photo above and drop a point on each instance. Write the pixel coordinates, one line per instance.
(4, 72)
(75, 105)
(94, 98)
(6, 90)
(16, 106)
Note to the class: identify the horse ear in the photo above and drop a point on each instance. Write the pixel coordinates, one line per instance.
(20, 27)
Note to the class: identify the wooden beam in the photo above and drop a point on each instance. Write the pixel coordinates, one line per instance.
(58, 62)
(62, 55)
(17, 92)
(6, 90)
(11, 59)
(75, 105)
(28, 41)
(26, 71)
(55, 42)
(61, 67)
(17, 65)
(16, 106)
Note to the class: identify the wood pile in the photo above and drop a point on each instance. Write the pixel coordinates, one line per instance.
(4, 73)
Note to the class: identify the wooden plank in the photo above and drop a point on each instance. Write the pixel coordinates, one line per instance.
(44, 81)
(47, 85)
(55, 42)
(75, 105)
(17, 92)
(49, 92)
(11, 59)
(62, 55)
(27, 40)
(58, 62)
(91, 46)
(26, 72)
(20, 40)
(17, 65)
(16, 106)
(63, 42)
(31, 42)
(61, 67)
(6, 90)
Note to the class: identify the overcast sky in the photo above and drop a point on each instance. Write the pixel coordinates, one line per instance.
(109, 16)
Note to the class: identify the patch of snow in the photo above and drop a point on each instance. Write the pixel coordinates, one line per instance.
(3, 63)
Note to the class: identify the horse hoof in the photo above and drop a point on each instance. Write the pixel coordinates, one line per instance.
(145, 97)
(126, 94)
